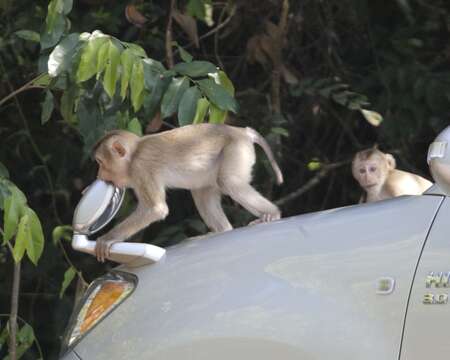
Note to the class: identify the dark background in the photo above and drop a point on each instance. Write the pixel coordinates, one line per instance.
(395, 54)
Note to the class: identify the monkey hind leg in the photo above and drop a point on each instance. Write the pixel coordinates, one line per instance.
(208, 203)
(250, 199)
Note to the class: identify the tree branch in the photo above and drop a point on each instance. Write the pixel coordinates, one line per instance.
(29, 85)
(277, 59)
(14, 308)
(169, 51)
(310, 183)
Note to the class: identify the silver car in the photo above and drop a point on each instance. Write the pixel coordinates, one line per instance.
(362, 282)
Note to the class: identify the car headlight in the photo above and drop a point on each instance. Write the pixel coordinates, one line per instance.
(101, 298)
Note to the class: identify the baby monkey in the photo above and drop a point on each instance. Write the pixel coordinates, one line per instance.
(208, 159)
(377, 174)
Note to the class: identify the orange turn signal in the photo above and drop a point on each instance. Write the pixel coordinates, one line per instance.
(101, 298)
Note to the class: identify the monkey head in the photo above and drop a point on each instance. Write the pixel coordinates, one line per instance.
(371, 168)
(113, 154)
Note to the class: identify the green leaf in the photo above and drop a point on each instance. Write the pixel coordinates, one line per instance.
(195, 68)
(154, 66)
(61, 56)
(88, 62)
(152, 100)
(47, 107)
(221, 78)
(137, 85)
(127, 59)
(25, 338)
(112, 70)
(372, 117)
(28, 35)
(69, 275)
(152, 75)
(135, 127)
(196, 8)
(136, 49)
(22, 237)
(62, 232)
(314, 165)
(280, 131)
(54, 29)
(68, 100)
(67, 6)
(55, 8)
(14, 208)
(42, 80)
(202, 108)
(102, 58)
(4, 192)
(173, 96)
(35, 243)
(218, 95)
(216, 115)
(185, 56)
(4, 171)
(188, 106)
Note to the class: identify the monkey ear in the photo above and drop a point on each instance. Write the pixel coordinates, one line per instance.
(119, 148)
(392, 164)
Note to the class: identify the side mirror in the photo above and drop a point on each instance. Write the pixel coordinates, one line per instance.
(439, 160)
(97, 207)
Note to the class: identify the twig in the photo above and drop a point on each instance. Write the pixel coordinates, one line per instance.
(277, 58)
(63, 250)
(216, 40)
(33, 144)
(29, 85)
(310, 183)
(213, 31)
(169, 51)
(14, 308)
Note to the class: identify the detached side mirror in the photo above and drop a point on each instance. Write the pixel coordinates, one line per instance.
(97, 207)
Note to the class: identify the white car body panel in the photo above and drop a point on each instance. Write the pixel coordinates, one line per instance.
(427, 325)
(299, 288)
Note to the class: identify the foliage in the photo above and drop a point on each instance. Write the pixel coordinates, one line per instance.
(351, 73)
(22, 234)
(107, 83)
(20, 222)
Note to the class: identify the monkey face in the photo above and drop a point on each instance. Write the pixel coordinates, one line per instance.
(369, 173)
(112, 166)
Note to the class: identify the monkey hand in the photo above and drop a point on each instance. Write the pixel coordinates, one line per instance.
(103, 247)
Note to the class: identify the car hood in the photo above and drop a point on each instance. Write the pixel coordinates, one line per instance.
(300, 281)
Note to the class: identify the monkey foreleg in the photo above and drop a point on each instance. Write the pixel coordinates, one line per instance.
(138, 220)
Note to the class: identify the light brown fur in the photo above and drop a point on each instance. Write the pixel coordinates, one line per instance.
(376, 173)
(208, 159)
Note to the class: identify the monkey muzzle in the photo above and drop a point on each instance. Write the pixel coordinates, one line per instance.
(99, 204)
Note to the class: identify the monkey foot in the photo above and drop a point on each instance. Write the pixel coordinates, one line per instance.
(264, 219)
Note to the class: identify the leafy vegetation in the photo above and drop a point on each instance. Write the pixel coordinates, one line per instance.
(320, 80)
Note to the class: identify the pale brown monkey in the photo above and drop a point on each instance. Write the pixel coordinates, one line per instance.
(377, 174)
(208, 159)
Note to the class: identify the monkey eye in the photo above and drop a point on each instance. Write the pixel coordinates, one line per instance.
(362, 171)
(373, 169)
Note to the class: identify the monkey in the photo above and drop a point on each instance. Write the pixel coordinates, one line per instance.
(207, 159)
(377, 174)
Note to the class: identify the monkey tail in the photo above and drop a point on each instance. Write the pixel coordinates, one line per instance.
(258, 139)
